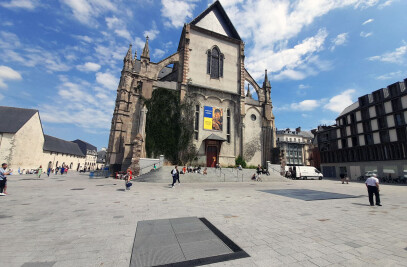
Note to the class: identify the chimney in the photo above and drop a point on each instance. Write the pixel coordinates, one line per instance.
(298, 130)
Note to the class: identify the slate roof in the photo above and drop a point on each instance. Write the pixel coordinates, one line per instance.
(215, 137)
(54, 144)
(84, 146)
(12, 119)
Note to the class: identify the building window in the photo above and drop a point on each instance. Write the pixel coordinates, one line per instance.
(366, 126)
(215, 63)
(380, 110)
(382, 122)
(401, 134)
(369, 139)
(253, 117)
(384, 137)
(396, 104)
(365, 114)
(228, 126)
(399, 119)
(354, 141)
(196, 130)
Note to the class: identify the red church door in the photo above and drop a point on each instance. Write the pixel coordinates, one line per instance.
(211, 156)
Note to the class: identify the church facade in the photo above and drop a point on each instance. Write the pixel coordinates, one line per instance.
(209, 67)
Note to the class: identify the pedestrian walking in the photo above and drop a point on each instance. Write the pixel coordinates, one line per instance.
(372, 184)
(3, 179)
(39, 171)
(56, 170)
(62, 169)
(175, 176)
(49, 171)
(127, 179)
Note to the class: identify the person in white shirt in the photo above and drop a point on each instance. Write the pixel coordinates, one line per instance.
(372, 184)
(3, 178)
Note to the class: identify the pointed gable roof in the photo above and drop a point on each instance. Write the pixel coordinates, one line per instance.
(215, 19)
(12, 119)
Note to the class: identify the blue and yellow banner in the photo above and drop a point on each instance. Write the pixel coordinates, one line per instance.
(213, 118)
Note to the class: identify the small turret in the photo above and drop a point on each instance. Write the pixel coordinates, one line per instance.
(146, 52)
(267, 88)
(248, 94)
(128, 61)
(266, 83)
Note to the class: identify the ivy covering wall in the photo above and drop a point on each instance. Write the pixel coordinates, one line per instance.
(169, 126)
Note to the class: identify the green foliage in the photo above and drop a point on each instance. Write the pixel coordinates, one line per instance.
(240, 161)
(251, 167)
(169, 126)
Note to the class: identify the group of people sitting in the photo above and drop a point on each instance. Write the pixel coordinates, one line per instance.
(191, 169)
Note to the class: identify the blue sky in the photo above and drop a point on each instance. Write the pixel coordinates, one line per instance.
(64, 57)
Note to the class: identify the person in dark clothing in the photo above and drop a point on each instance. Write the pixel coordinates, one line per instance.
(175, 176)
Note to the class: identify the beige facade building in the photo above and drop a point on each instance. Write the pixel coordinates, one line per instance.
(297, 146)
(208, 67)
(24, 146)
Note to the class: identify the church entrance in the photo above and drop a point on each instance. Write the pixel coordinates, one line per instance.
(213, 144)
(211, 156)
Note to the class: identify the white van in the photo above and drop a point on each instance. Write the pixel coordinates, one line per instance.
(306, 172)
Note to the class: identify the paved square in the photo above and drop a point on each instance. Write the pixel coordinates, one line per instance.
(45, 223)
(308, 195)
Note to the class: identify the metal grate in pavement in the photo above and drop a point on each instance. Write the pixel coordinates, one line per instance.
(307, 194)
(188, 241)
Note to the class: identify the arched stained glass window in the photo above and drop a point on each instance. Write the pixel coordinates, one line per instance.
(215, 63)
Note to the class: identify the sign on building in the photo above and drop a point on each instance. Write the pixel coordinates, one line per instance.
(213, 118)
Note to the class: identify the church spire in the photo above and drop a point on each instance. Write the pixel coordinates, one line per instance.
(248, 94)
(146, 51)
(266, 83)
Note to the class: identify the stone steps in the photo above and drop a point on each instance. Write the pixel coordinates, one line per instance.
(163, 175)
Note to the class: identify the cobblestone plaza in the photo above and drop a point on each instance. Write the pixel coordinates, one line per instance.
(72, 220)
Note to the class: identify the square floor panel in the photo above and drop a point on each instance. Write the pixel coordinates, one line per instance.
(203, 249)
(307, 194)
(189, 241)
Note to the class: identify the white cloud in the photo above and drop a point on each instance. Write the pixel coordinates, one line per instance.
(89, 66)
(86, 11)
(119, 27)
(7, 73)
(305, 105)
(392, 57)
(385, 4)
(84, 106)
(340, 39)
(286, 60)
(25, 4)
(152, 33)
(267, 41)
(84, 38)
(303, 86)
(176, 12)
(391, 75)
(367, 21)
(158, 53)
(339, 102)
(107, 80)
(366, 34)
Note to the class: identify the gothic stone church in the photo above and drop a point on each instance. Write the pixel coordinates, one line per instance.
(208, 66)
